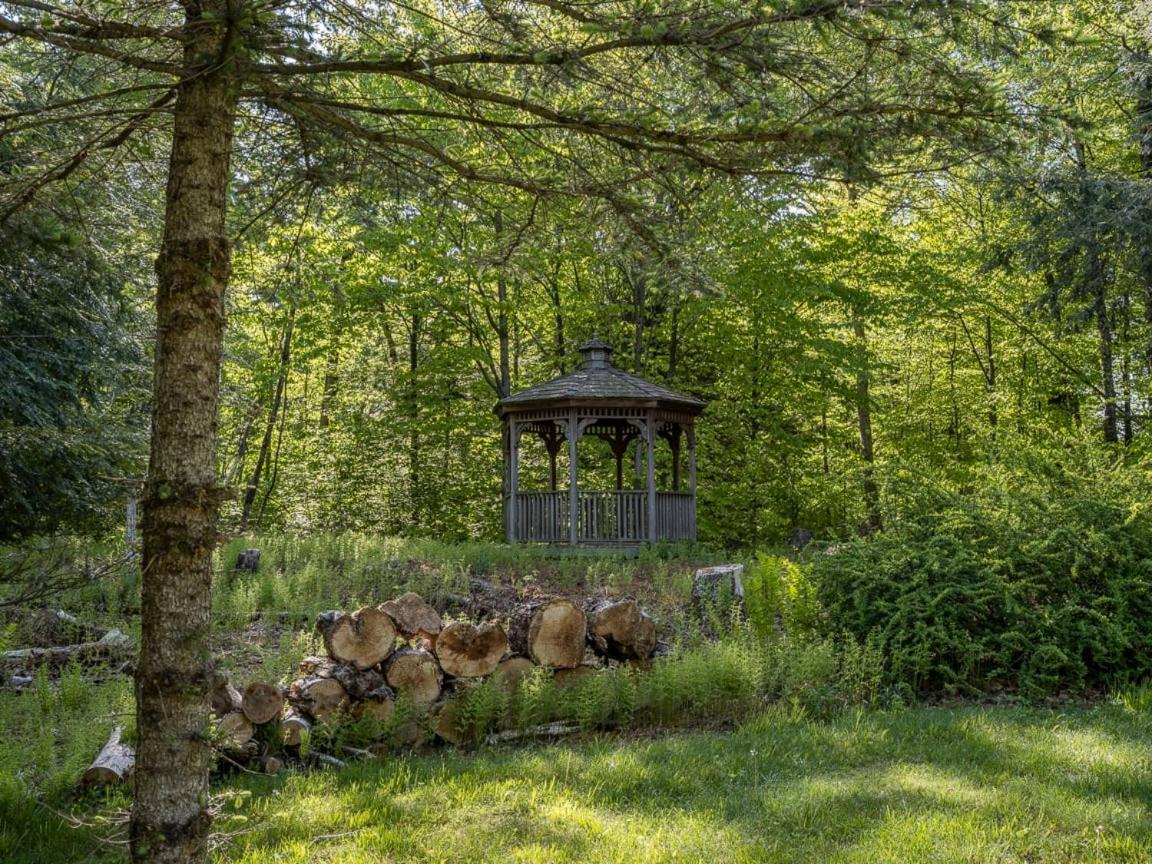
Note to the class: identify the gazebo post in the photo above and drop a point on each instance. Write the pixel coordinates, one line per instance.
(573, 489)
(513, 476)
(692, 480)
(650, 437)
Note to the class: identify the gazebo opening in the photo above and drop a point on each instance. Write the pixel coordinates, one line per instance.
(612, 487)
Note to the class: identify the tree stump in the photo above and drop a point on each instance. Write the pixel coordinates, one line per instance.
(552, 633)
(113, 764)
(414, 674)
(364, 637)
(718, 587)
(248, 560)
(471, 651)
(620, 631)
(261, 702)
(414, 618)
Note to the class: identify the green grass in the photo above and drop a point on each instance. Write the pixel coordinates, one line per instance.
(304, 575)
(956, 785)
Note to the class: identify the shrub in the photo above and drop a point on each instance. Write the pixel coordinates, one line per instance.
(1036, 576)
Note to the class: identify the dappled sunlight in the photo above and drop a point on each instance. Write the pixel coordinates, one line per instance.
(930, 785)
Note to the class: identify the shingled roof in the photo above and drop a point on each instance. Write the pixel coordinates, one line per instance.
(597, 380)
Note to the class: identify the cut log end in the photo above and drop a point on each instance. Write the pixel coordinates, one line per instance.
(415, 619)
(552, 633)
(415, 675)
(512, 671)
(364, 637)
(261, 702)
(620, 631)
(379, 705)
(233, 732)
(294, 726)
(471, 651)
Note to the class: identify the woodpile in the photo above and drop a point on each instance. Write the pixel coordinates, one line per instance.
(398, 670)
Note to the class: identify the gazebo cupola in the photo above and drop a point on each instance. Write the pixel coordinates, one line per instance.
(627, 413)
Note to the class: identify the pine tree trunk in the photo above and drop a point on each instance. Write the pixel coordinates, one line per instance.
(170, 821)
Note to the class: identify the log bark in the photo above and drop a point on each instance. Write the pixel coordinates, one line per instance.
(545, 730)
(513, 670)
(170, 817)
(262, 702)
(378, 704)
(318, 697)
(415, 675)
(552, 633)
(52, 627)
(414, 618)
(364, 637)
(114, 645)
(621, 631)
(113, 764)
(469, 650)
(225, 698)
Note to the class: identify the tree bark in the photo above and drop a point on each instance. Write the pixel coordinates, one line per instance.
(170, 820)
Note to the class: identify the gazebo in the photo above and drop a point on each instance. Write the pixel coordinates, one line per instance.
(599, 400)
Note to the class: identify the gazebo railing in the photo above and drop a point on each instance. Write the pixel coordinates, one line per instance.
(613, 516)
(675, 516)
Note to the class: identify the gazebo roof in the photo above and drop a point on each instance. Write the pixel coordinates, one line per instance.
(597, 380)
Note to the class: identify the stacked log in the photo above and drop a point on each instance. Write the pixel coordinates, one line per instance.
(467, 650)
(402, 653)
(619, 630)
(414, 673)
(552, 633)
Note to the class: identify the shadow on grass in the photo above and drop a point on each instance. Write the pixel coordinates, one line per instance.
(958, 785)
(963, 785)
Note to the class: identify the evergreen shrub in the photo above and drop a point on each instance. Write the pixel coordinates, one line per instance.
(1034, 576)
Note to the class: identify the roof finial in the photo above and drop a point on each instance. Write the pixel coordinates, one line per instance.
(595, 354)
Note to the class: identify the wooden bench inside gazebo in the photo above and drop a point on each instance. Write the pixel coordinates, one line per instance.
(627, 413)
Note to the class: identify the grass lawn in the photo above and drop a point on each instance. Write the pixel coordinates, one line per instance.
(963, 785)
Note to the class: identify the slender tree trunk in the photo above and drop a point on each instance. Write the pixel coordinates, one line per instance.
(331, 383)
(413, 399)
(1098, 284)
(864, 420)
(170, 820)
(502, 333)
(237, 467)
(270, 427)
(990, 373)
(1144, 139)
